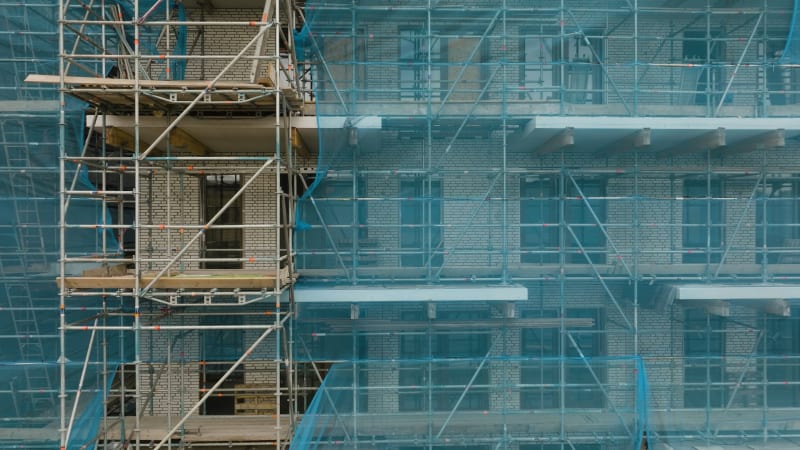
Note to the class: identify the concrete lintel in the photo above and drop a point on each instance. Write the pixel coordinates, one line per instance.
(373, 294)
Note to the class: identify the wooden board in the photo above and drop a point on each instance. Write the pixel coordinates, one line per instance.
(254, 400)
(211, 428)
(119, 93)
(198, 279)
(93, 82)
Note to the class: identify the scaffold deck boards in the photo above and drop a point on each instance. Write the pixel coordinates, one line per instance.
(190, 279)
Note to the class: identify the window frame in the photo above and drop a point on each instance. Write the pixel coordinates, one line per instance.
(222, 192)
(782, 213)
(426, 211)
(536, 371)
(547, 209)
(703, 242)
(704, 352)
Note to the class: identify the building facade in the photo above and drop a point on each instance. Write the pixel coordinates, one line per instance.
(525, 225)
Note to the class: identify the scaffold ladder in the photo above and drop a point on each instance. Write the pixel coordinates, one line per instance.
(26, 327)
(17, 26)
(23, 254)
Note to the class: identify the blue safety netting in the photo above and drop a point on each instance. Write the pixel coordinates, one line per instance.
(31, 142)
(791, 51)
(476, 403)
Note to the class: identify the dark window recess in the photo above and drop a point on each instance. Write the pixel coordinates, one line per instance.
(444, 382)
(421, 220)
(540, 216)
(220, 348)
(432, 67)
(541, 374)
(223, 246)
(708, 80)
(569, 446)
(541, 72)
(703, 225)
(415, 52)
(344, 212)
(450, 379)
(413, 376)
(777, 214)
(703, 347)
(783, 351)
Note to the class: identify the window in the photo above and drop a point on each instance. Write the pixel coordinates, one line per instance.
(783, 82)
(703, 347)
(541, 344)
(783, 355)
(220, 349)
(540, 233)
(468, 82)
(541, 373)
(429, 66)
(413, 395)
(698, 50)
(583, 224)
(415, 52)
(450, 378)
(538, 73)
(585, 393)
(777, 212)
(541, 73)
(702, 221)
(343, 214)
(566, 446)
(333, 338)
(344, 73)
(223, 245)
(451, 447)
(421, 220)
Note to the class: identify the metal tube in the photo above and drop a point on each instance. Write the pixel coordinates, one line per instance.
(194, 102)
(81, 381)
(738, 65)
(62, 431)
(216, 385)
(201, 232)
(467, 388)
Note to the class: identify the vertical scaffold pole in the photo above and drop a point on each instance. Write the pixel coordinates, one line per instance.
(62, 361)
(136, 222)
(277, 248)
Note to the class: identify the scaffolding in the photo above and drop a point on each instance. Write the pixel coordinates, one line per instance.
(190, 279)
(520, 225)
(626, 163)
